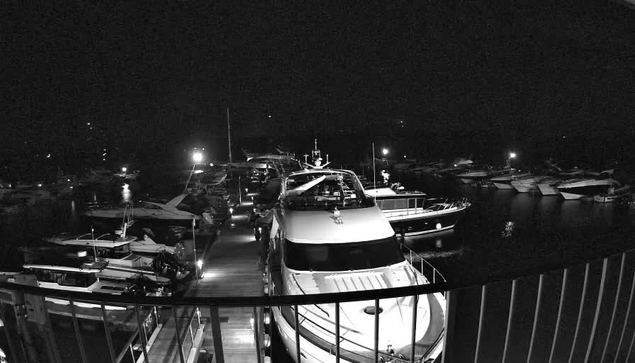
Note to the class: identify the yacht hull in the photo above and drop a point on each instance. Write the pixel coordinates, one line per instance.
(547, 189)
(424, 223)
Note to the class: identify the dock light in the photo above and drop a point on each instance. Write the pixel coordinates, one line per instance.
(512, 155)
(124, 169)
(384, 151)
(197, 157)
(438, 226)
(231, 210)
(199, 263)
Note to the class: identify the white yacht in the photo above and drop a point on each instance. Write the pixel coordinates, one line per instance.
(328, 236)
(578, 188)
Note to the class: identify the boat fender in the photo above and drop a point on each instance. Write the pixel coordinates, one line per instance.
(266, 289)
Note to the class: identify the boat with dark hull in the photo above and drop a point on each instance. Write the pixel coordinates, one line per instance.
(410, 215)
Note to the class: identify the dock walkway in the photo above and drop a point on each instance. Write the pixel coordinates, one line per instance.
(232, 266)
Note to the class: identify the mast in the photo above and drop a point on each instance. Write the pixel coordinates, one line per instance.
(229, 137)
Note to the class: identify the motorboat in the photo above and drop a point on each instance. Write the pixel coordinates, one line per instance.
(409, 214)
(614, 195)
(504, 181)
(549, 185)
(148, 210)
(79, 273)
(329, 236)
(145, 245)
(526, 184)
(577, 188)
(473, 176)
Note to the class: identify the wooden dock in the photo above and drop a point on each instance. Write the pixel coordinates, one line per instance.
(232, 265)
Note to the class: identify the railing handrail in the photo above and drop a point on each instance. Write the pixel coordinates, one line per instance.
(230, 301)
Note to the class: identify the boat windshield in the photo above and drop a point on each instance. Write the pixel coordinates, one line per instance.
(318, 191)
(342, 256)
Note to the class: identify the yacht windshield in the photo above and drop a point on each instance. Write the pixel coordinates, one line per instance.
(342, 256)
(310, 191)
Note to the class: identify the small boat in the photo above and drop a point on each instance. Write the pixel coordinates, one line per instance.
(613, 195)
(409, 215)
(77, 272)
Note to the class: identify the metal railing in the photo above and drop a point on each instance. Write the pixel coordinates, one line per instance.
(581, 313)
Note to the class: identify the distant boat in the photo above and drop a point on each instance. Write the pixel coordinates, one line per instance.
(504, 181)
(148, 210)
(549, 186)
(613, 195)
(578, 188)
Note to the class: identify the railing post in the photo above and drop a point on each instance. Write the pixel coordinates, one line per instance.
(510, 317)
(414, 327)
(628, 314)
(481, 318)
(219, 355)
(376, 330)
(617, 299)
(598, 305)
(107, 331)
(78, 335)
(297, 335)
(337, 332)
(582, 299)
(178, 334)
(536, 313)
(144, 338)
(565, 275)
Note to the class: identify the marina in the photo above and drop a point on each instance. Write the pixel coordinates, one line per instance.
(196, 182)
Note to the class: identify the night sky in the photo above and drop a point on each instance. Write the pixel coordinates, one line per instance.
(472, 77)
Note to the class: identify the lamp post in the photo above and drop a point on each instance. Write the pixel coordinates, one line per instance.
(197, 157)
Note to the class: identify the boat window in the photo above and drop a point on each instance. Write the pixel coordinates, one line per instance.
(411, 203)
(342, 256)
(317, 191)
(77, 279)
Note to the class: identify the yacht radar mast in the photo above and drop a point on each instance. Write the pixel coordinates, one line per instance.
(316, 158)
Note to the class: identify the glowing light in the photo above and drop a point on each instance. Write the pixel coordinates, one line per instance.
(199, 263)
(231, 210)
(48, 156)
(125, 193)
(512, 155)
(124, 169)
(269, 116)
(384, 151)
(39, 185)
(197, 157)
(438, 226)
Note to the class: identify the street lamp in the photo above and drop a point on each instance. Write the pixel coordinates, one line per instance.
(384, 151)
(124, 169)
(197, 158)
(512, 155)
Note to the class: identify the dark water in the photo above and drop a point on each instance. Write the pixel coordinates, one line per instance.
(506, 234)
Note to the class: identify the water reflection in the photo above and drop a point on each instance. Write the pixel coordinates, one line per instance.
(125, 193)
(508, 230)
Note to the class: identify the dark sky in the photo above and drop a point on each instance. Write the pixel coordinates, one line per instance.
(147, 73)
